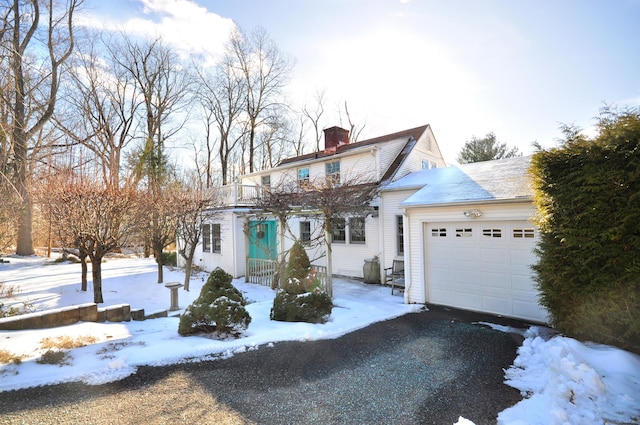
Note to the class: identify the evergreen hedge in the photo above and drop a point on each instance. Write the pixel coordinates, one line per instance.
(588, 199)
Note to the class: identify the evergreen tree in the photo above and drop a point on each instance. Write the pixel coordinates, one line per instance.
(588, 199)
(220, 308)
(485, 149)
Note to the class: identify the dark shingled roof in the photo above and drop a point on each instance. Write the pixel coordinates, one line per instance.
(414, 133)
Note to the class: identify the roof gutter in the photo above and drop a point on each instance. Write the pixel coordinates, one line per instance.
(519, 200)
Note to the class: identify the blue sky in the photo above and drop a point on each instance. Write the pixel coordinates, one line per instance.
(467, 67)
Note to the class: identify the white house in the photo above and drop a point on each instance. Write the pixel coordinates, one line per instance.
(239, 233)
(469, 238)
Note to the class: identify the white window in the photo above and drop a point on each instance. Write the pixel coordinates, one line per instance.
(333, 171)
(303, 177)
(357, 230)
(206, 238)
(266, 182)
(216, 240)
(439, 232)
(464, 232)
(339, 230)
(492, 233)
(399, 235)
(524, 233)
(305, 232)
(428, 165)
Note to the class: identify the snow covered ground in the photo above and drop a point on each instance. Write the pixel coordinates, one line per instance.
(563, 381)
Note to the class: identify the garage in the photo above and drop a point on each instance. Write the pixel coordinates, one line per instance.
(482, 266)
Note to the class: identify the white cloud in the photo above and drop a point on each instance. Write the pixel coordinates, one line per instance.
(191, 28)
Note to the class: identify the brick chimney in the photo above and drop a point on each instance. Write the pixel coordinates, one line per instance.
(335, 137)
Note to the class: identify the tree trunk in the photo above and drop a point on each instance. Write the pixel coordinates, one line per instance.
(327, 241)
(158, 254)
(83, 265)
(96, 272)
(24, 245)
(187, 272)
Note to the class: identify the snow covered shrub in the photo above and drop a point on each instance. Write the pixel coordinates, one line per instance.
(300, 299)
(219, 308)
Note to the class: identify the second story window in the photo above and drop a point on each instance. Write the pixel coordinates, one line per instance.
(428, 165)
(266, 182)
(333, 171)
(303, 177)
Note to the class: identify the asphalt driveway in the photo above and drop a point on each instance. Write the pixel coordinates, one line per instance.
(423, 368)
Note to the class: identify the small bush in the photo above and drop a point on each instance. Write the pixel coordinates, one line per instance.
(16, 311)
(59, 357)
(300, 298)
(8, 291)
(311, 307)
(219, 308)
(7, 357)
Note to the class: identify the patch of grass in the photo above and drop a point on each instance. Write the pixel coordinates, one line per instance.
(59, 357)
(7, 357)
(67, 342)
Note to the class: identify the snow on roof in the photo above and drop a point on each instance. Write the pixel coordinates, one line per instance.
(503, 179)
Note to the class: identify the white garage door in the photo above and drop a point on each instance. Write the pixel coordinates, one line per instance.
(483, 266)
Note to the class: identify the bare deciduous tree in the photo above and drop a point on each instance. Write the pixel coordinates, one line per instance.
(194, 206)
(105, 100)
(32, 64)
(222, 96)
(90, 217)
(314, 115)
(266, 71)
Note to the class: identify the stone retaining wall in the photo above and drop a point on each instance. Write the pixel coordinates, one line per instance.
(80, 313)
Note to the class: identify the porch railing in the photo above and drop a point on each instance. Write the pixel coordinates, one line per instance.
(263, 272)
(240, 194)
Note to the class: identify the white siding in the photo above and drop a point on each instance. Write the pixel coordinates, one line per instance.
(389, 210)
(232, 256)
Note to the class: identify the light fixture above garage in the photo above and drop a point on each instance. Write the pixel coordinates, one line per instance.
(474, 213)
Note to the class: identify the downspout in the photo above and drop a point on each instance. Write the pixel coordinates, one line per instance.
(406, 230)
(234, 220)
(381, 241)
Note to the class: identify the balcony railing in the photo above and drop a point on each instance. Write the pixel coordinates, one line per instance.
(240, 194)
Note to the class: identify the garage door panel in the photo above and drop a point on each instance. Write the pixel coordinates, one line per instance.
(521, 257)
(486, 269)
(494, 255)
(469, 301)
(497, 305)
(523, 283)
(465, 277)
(440, 276)
(495, 281)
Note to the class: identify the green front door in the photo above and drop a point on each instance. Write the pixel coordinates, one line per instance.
(263, 239)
